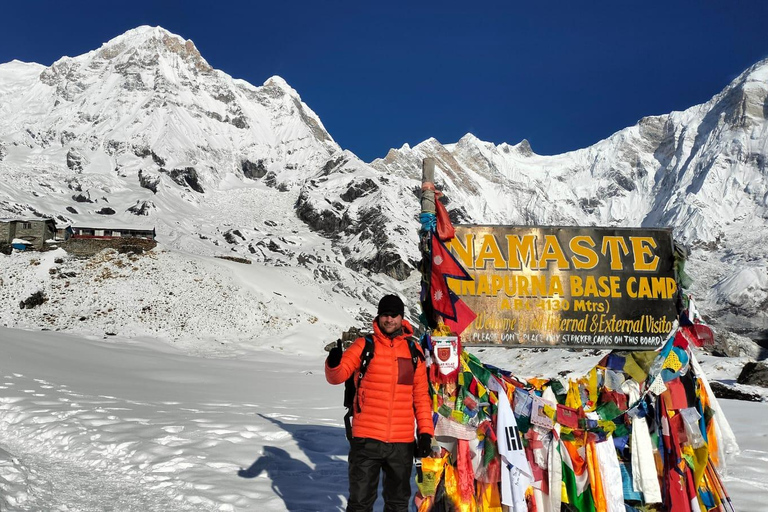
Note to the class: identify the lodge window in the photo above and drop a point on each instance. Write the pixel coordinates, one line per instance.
(26, 225)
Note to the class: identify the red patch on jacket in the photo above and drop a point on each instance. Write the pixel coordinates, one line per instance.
(404, 371)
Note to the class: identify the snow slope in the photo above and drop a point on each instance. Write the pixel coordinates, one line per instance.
(137, 425)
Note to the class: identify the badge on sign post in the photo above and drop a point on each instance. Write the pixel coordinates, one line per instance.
(445, 350)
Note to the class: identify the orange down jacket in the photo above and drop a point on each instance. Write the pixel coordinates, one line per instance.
(393, 394)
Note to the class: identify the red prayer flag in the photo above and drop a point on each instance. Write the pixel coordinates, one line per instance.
(464, 316)
(456, 314)
(445, 229)
(697, 334)
(446, 263)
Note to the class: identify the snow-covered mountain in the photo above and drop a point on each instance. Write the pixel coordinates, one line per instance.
(144, 131)
(703, 171)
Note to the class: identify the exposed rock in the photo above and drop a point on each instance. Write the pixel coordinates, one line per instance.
(157, 159)
(359, 189)
(114, 147)
(75, 185)
(332, 164)
(229, 236)
(142, 151)
(74, 160)
(325, 221)
(754, 374)
(141, 208)
(524, 148)
(71, 210)
(148, 182)
(186, 176)
(33, 300)
(729, 344)
(236, 259)
(239, 122)
(624, 182)
(253, 170)
(106, 211)
(81, 198)
(386, 261)
(722, 391)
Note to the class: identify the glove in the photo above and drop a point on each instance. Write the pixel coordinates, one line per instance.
(334, 355)
(423, 446)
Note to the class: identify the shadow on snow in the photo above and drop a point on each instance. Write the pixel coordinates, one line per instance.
(301, 487)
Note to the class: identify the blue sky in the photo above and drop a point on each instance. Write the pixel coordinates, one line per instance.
(561, 74)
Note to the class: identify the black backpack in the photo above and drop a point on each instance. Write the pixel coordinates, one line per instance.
(352, 383)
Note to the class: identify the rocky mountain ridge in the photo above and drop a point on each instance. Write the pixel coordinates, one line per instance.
(145, 131)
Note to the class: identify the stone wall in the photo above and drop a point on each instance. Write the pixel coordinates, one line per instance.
(6, 234)
(87, 247)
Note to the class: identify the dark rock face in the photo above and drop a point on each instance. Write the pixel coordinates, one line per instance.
(333, 221)
(239, 122)
(71, 210)
(158, 160)
(80, 198)
(332, 164)
(142, 151)
(148, 182)
(327, 222)
(106, 211)
(74, 161)
(253, 170)
(386, 262)
(722, 391)
(624, 182)
(459, 215)
(754, 374)
(371, 225)
(33, 300)
(590, 205)
(270, 179)
(229, 236)
(141, 208)
(186, 176)
(359, 189)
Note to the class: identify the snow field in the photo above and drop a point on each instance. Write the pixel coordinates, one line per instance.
(139, 425)
(119, 432)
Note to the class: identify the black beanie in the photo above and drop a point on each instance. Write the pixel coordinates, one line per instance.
(391, 304)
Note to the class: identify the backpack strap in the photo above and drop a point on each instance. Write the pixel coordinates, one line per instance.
(416, 354)
(365, 360)
(365, 357)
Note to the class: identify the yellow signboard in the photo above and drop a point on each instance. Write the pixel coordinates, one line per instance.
(566, 286)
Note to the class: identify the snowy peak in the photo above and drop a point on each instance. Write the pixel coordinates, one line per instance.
(153, 40)
(128, 55)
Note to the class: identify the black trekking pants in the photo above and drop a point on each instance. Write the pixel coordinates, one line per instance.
(368, 458)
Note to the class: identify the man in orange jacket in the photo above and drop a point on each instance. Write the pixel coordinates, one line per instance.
(392, 395)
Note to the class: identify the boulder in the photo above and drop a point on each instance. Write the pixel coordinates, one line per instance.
(754, 374)
(732, 393)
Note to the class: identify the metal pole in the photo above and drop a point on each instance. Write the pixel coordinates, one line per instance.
(428, 191)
